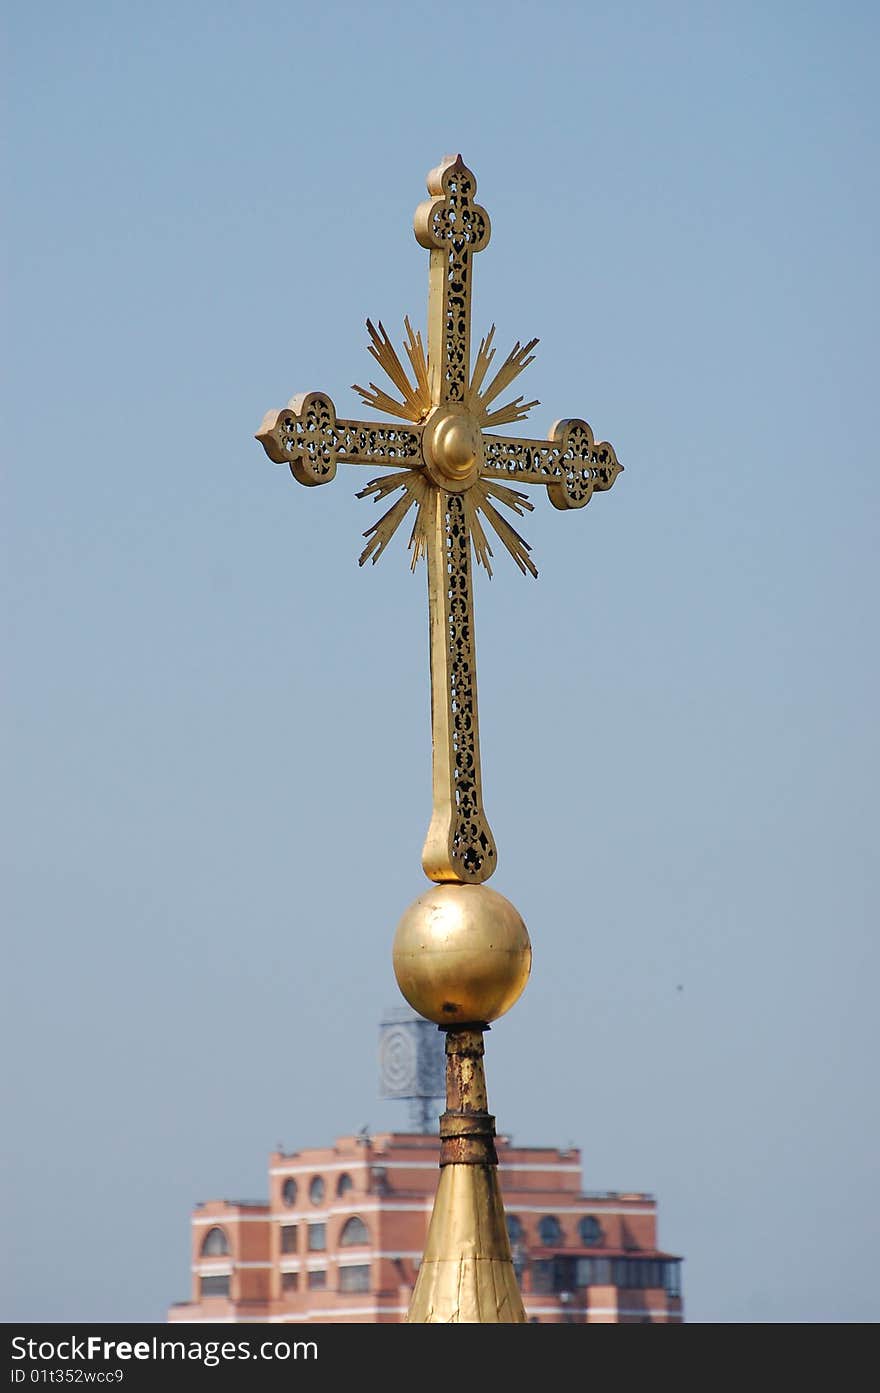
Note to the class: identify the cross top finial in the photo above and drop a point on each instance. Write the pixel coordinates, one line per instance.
(453, 186)
(452, 227)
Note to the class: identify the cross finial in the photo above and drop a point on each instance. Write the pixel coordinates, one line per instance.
(446, 463)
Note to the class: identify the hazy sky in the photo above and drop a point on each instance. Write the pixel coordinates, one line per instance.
(217, 740)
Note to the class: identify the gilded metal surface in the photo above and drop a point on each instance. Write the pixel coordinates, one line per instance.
(466, 1273)
(466, 1276)
(467, 1129)
(443, 464)
(461, 954)
(466, 1094)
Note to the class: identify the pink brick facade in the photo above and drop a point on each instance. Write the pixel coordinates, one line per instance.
(342, 1234)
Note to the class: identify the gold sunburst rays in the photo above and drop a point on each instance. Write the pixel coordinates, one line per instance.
(478, 398)
(415, 489)
(518, 547)
(416, 396)
(419, 493)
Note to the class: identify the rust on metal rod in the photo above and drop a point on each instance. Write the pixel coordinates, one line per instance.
(467, 1128)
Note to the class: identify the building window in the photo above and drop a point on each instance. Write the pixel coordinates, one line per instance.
(316, 1189)
(344, 1184)
(590, 1231)
(565, 1274)
(215, 1286)
(290, 1281)
(379, 1180)
(288, 1192)
(593, 1272)
(671, 1278)
(647, 1273)
(549, 1231)
(355, 1231)
(542, 1276)
(514, 1229)
(627, 1274)
(317, 1238)
(354, 1278)
(317, 1279)
(215, 1244)
(288, 1238)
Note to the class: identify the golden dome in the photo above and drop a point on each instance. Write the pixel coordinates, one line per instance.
(461, 954)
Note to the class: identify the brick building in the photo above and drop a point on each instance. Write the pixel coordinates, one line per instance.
(342, 1233)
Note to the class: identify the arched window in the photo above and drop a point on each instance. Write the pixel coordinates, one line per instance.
(316, 1189)
(355, 1231)
(514, 1229)
(549, 1231)
(590, 1231)
(344, 1184)
(288, 1191)
(215, 1244)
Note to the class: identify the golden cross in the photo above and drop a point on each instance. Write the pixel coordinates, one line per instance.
(445, 464)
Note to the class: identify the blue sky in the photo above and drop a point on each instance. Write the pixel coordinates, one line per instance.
(216, 726)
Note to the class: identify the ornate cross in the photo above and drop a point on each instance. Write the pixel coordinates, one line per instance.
(445, 462)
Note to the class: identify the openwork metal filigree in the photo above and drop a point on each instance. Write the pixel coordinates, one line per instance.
(446, 466)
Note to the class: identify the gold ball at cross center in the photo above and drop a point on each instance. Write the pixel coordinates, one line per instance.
(456, 444)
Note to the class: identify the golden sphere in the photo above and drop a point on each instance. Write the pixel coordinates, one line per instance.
(461, 955)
